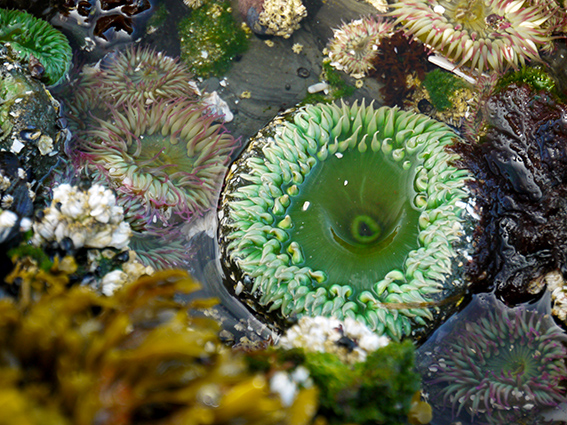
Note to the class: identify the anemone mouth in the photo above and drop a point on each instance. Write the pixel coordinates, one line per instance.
(356, 226)
(471, 16)
(346, 211)
(482, 34)
(168, 155)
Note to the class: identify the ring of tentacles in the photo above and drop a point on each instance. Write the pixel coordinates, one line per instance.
(346, 211)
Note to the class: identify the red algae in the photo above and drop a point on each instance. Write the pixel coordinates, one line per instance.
(520, 166)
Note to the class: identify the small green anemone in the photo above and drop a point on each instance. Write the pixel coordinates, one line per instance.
(164, 160)
(29, 36)
(346, 211)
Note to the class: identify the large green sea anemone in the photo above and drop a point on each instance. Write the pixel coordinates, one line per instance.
(29, 36)
(348, 211)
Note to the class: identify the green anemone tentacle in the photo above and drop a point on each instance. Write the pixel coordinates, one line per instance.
(28, 36)
(347, 211)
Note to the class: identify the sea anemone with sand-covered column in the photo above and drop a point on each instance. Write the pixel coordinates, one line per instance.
(355, 45)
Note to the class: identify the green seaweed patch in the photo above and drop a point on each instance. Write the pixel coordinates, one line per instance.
(30, 38)
(441, 86)
(210, 39)
(348, 393)
(159, 17)
(534, 76)
(36, 254)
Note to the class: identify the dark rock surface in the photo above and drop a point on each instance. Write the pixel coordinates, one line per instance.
(270, 73)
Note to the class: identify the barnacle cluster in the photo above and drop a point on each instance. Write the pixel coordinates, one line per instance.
(352, 341)
(281, 17)
(555, 284)
(355, 45)
(348, 211)
(87, 226)
(33, 39)
(135, 357)
(89, 219)
(481, 34)
(495, 364)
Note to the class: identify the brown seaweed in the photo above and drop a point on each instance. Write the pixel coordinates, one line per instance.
(72, 356)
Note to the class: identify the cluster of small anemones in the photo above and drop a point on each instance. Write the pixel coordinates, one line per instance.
(89, 219)
(480, 34)
(349, 339)
(146, 135)
(356, 44)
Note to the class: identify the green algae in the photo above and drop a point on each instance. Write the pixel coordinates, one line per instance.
(211, 39)
(534, 76)
(378, 390)
(441, 86)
